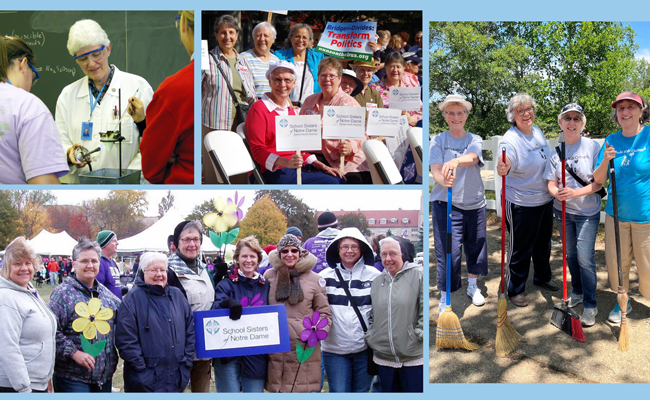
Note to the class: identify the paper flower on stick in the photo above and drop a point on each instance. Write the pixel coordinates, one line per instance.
(224, 217)
(92, 318)
(238, 203)
(313, 329)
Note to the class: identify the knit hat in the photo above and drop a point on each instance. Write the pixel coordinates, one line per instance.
(179, 229)
(105, 237)
(327, 220)
(293, 230)
(287, 241)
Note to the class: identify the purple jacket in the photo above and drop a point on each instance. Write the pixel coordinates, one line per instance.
(318, 246)
(105, 278)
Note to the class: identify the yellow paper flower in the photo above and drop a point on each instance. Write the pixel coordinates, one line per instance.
(224, 217)
(92, 318)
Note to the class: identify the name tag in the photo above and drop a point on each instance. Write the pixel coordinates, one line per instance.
(86, 130)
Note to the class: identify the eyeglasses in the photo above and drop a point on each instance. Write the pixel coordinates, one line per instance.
(390, 253)
(190, 240)
(353, 247)
(93, 261)
(156, 271)
(526, 110)
(287, 251)
(278, 81)
(95, 55)
(301, 38)
(455, 114)
(329, 77)
(177, 22)
(34, 74)
(574, 119)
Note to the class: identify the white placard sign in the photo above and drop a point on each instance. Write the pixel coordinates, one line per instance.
(404, 98)
(297, 132)
(249, 331)
(344, 123)
(205, 56)
(383, 122)
(398, 145)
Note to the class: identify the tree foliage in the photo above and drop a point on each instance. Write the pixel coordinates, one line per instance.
(265, 221)
(354, 220)
(31, 207)
(71, 219)
(555, 62)
(297, 212)
(11, 225)
(121, 211)
(165, 204)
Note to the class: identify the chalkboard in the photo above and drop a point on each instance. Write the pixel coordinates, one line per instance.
(145, 43)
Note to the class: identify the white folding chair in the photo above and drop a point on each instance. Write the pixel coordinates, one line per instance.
(414, 135)
(241, 130)
(382, 167)
(229, 156)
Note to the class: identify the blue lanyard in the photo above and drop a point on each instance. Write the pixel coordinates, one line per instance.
(90, 94)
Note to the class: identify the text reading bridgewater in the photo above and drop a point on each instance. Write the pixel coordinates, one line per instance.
(247, 333)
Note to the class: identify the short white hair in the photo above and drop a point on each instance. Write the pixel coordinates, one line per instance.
(267, 26)
(389, 239)
(150, 257)
(84, 33)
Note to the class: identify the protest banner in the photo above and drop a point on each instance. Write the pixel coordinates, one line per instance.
(344, 122)
(398, 145)
(298, 132)
(383, 122)
(348, 40)
(260, 330)
(405, 98)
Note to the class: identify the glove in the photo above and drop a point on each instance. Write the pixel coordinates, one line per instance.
(220, 271)
(235, 309)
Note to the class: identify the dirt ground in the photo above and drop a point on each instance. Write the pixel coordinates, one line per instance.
(545, 354)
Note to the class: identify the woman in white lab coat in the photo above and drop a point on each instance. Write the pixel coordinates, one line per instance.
(91, 105)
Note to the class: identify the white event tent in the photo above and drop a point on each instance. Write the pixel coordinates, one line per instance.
(53, 244)
(154, 238)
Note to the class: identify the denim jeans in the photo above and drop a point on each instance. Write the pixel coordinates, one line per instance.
(580, 241)
(347, 373)
(62, 385)
(229, 378)
(405, 379)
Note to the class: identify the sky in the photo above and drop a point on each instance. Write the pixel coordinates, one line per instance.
(642, 30)
(349, 200)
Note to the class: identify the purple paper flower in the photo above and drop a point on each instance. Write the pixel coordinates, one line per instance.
(254, 302)
(313, 329)
(238, 203)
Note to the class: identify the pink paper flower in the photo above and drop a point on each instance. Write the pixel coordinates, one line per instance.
(313, 329)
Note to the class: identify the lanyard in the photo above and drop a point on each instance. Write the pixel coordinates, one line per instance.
(90, 94)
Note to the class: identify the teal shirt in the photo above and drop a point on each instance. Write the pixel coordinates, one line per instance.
(632, 169)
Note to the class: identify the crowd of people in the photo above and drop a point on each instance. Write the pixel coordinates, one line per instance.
(255, 86)
(534, 194)
(155, 131)
(373, 313)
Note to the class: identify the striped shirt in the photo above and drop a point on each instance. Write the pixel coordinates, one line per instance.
(216, 102)
(259, 69)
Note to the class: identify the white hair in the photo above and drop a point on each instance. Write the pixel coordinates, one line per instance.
(84, 33)
(265, 25)
(150, 257)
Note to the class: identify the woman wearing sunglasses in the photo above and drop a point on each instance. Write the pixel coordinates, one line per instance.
(94, 105)
(30, 148)
(302, 291)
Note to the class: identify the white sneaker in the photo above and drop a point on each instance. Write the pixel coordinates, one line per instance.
(589, 316)
(575, 299)
(474, 293)
(615, 314)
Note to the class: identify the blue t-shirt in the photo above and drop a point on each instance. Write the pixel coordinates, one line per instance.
(632, 169)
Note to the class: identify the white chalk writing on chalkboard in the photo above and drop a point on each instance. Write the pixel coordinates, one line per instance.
(55, 69)
(34, 38)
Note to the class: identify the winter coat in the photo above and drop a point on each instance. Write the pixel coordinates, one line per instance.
(396, 327)
(346, 335)
(155, 337)
(283, 366)
(28, 330)
(236, 286)
(62, 303)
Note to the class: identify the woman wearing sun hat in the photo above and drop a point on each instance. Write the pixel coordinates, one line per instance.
(582, 206)
(629, 150)
(455, 161)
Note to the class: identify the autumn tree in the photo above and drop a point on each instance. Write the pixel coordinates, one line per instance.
(265, 221)
(354, 220)
(11, 225)
(121, 211)
(31, 206)
(71, 219)
(297, 212)
(165, 204)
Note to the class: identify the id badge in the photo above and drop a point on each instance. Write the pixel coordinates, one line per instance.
(86, 130)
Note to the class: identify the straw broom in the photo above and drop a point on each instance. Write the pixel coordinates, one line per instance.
(449, 334)
(621, 297)
(507, 337)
